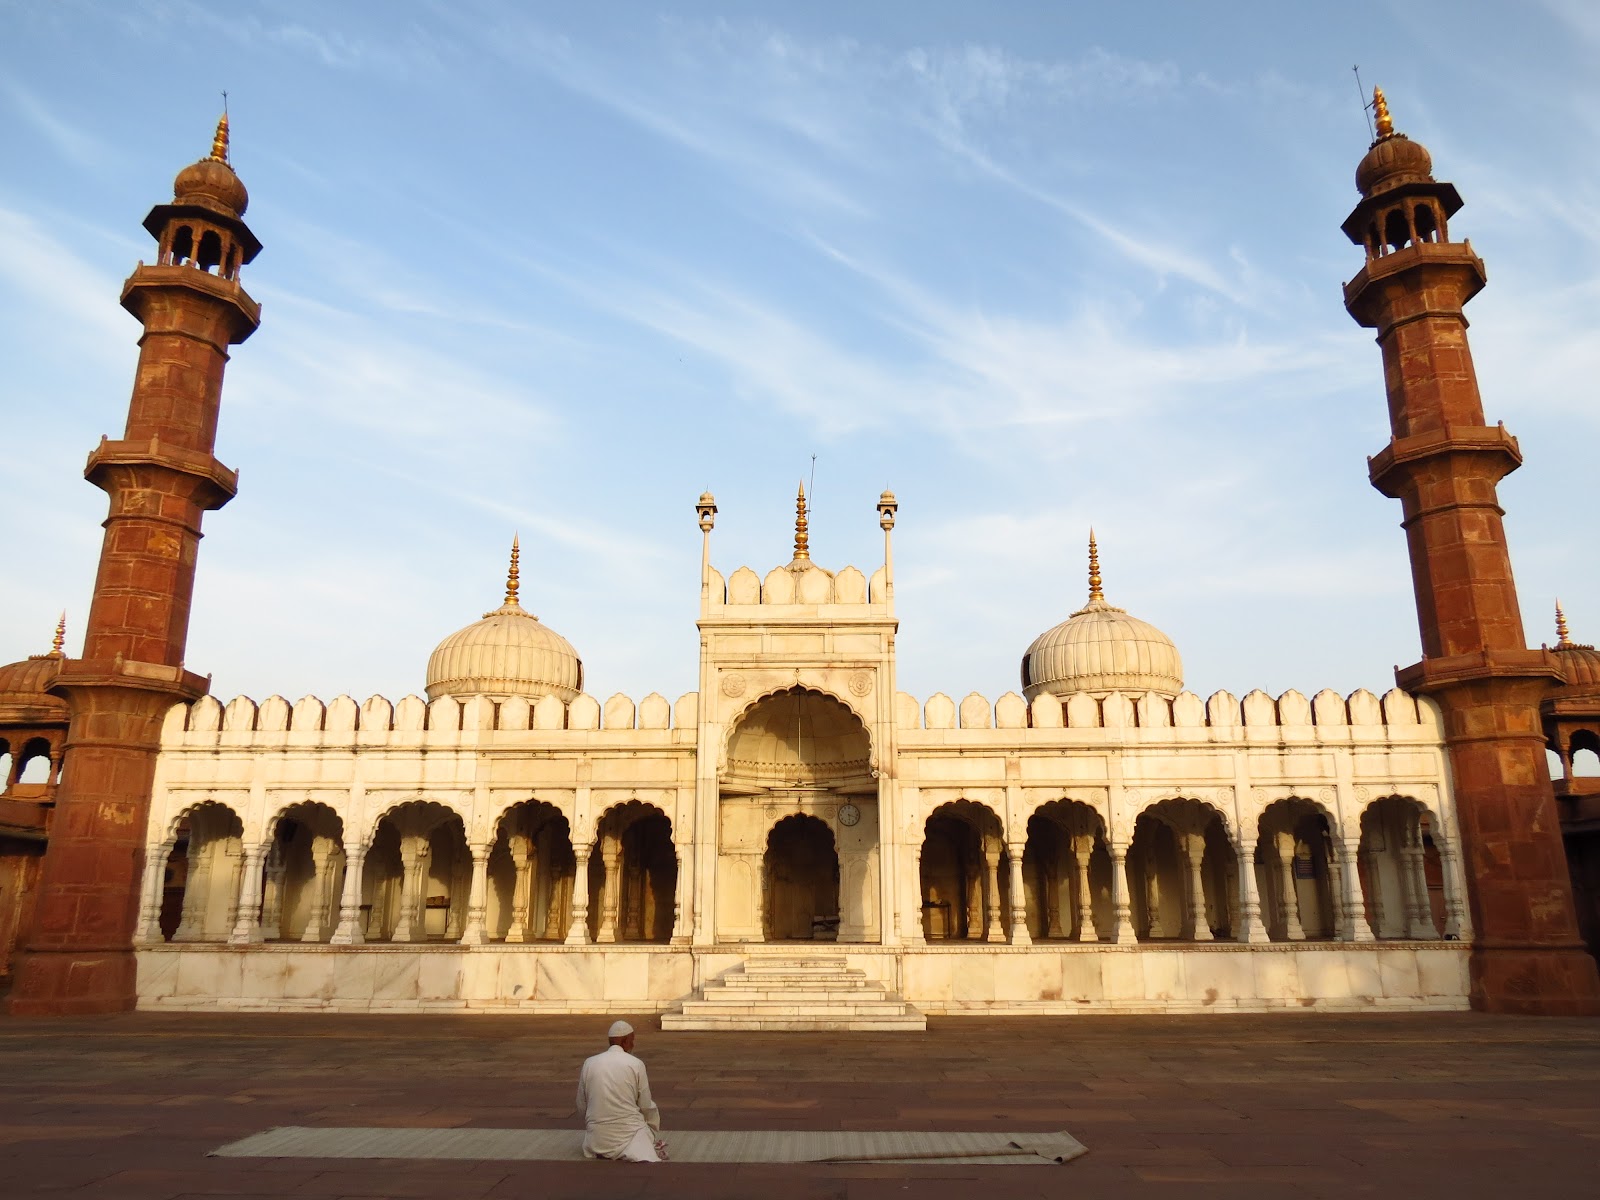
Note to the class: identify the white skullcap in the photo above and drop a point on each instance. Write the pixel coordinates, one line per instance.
(620, 1029)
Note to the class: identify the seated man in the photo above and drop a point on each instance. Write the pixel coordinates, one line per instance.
(621, 1120)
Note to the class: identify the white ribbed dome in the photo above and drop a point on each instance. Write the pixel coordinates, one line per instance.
(508, 653)
(1100, 648)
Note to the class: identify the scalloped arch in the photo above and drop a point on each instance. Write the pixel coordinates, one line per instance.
(190, 809)
(1328, 814)
(270, 830)
(731, 727)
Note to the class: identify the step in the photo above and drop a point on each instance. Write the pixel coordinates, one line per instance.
(681, 1023)
(833, 996)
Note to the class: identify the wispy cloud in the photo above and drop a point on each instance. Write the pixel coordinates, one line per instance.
(71, 142)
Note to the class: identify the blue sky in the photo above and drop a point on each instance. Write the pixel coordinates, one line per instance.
(558, 268)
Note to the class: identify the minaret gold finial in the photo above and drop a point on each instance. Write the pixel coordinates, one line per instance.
(513, 577)
(802, 538)
(1094, 570)
(219, 144)
(60, 640)
(1380, 114)
(1562, 638)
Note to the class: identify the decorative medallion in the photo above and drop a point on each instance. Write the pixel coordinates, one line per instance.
(849, 814)
(860, 683)
(733, 686)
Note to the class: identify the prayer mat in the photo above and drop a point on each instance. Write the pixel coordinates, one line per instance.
(685, 1145)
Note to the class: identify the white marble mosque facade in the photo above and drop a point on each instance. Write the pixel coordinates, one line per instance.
(515, 844)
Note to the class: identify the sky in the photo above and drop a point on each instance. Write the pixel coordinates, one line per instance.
(555, 269)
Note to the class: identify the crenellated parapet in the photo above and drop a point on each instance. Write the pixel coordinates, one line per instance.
(343, 723)
(1326, 717)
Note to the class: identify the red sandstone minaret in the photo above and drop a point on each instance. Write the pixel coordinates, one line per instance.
(161, 478)
(1442, 464)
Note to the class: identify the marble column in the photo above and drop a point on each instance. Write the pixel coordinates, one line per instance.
(1082, 848)
(993, 930)
(916, 933)
(322, 858)
(409, 925)
(272, 896)
(247, 910)
(196, 891)
(1194, 845)
(1019, 898)
(1457, 925)
(1251, 929)
(1336, 887)
(1052, 886)
(349, 931)
(1355, 904)
(522, 891)
(234, 856)
(610, 889)
(155, 874)
(578, 928)
(473, 932)
(1283, 843)
(682, 902)
(1421, 924)
(1121, 896)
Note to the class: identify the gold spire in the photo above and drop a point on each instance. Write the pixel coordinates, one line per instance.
(1094, 570)
(802, 539)
(1380, 114)
(512, 576)
(60, 639)
(1562, 640)
(219, 144)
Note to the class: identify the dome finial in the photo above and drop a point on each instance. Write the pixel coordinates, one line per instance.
(1380, 114)
(1562, 638)
(60, 639)
(1094, 570)
(513, 576)
(802, 538)
(219, 143)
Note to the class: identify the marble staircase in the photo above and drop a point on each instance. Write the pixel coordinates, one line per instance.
(772, 993)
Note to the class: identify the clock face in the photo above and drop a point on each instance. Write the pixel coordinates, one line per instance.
(849, 814)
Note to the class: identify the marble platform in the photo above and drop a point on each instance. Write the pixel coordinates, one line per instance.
(946, 979)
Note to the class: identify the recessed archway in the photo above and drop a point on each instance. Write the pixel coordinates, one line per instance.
(801, 882)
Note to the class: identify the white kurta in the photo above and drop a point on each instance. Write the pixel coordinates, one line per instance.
(614, 1097)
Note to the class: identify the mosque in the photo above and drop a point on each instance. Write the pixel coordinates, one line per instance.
(796, 843)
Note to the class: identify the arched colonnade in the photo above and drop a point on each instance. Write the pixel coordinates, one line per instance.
(1394, 875)
(413, 877)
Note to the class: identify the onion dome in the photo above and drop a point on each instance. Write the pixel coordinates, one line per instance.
(1100, 649)
(1394, 158)
(508, 653)
(211, 183)
(23, 685)
(1580, 664)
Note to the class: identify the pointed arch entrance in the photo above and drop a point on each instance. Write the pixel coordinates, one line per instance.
(800, 873)
(798, 839)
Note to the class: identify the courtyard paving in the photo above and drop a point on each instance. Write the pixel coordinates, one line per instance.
(1297, 1104)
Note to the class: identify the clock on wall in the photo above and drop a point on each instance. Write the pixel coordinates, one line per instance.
(849, 814)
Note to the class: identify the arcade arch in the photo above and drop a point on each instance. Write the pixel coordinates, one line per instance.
(965, 893)
(1297, 872)
(634, 876)
(531, 873)
(418, 875)
(1066, 871)
(1402, 873)
(303, 874)
(1182, 873)
(200, 870)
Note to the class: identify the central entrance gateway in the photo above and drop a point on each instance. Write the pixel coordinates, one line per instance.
(798, 844)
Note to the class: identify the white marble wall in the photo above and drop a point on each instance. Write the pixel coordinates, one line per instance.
(967, 980)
